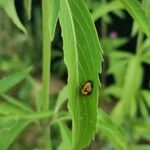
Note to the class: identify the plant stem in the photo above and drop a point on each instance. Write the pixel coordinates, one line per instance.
(139, 41)
(46, 67)
(47, 139)
(46, 54)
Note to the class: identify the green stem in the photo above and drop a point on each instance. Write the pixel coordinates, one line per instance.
(46, 53)
(47, 139)
(139, 42)
(46, 68)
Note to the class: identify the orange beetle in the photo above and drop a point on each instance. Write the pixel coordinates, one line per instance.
(86, 88)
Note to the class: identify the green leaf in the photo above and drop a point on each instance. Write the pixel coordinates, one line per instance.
(120, 55)
(28, 6)
(136, 11)
(66, 137)
(15, 102)
(144, 51)
(9, 7)
(7, 108)
(146, 96)
(113, 90)
(132, 107)
(11, 80)
(54, 11)
(131, 86)
(103, 9)
(140, 147)
(107, 19)
(134, 29)
(11, 111)
(63, 95)
(107, 128)
(10, 124)
(34, 116)
(118, 60)
(146, 56)
(145, 45)
(143, 109)
(146, 5)
(119, 13)
(14, 117)
(111, 44)
(141, 129)
(10, 130)
(82, 55)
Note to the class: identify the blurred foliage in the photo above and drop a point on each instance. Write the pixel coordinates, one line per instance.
(123, 93)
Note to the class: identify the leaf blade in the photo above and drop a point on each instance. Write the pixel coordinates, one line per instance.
(105, 8)
(9, 7)
(135, 10)
(8, 82)
(54, 12)
(83, 65)
(108, 128)
(28, 6)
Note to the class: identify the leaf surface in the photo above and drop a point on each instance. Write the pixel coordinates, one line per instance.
(82, 55)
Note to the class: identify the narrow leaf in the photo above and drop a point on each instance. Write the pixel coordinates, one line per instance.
(66, 137)
(105, 8)
(7, 109)
(140, 147)
(54, 11)
(11, 80)
(13, 119)
(111, 131)
(63, 95)
(131, 86)
(142, 129)
(9, 133)
(136, 11)
(9, 7)
(28, 6)
(10, 124)
(15, 102)
(113, 90)
(146, 96)
(82, 54)
(134, 29)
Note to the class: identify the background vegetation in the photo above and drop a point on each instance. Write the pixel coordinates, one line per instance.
(43, 60)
